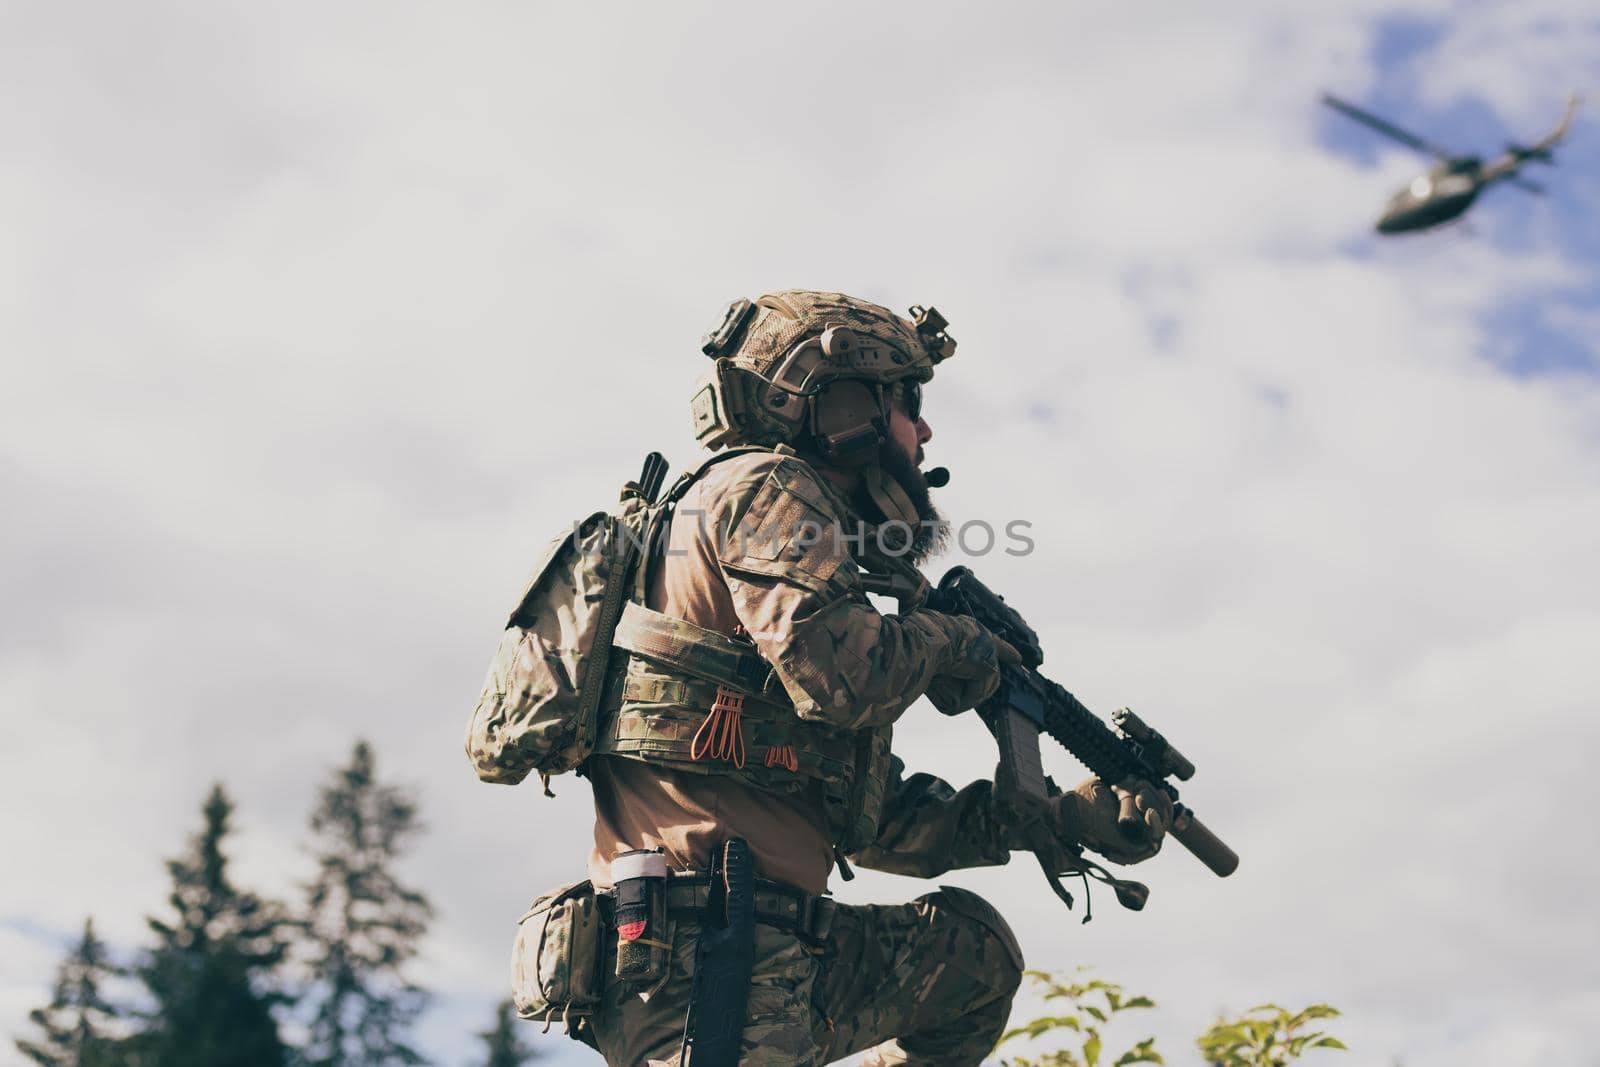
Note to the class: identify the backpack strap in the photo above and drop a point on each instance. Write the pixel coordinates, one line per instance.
(688, 478)
(662, 510)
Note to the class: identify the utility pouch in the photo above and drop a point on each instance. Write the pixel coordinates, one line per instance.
(556, 964)
(639, 895)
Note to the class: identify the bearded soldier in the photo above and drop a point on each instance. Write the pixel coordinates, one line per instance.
(752, 700)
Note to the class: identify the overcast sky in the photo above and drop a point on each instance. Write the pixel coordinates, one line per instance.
(319, 319)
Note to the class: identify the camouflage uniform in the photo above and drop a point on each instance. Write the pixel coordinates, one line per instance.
(925, 982)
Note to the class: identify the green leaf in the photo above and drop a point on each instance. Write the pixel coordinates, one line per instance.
(1143, 1052)
(1091, 1050)
(1331, 1042)
(1096, 1012)
(1062, 1022)
(1043, 1025)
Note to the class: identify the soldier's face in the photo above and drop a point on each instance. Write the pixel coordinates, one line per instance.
(902, 460)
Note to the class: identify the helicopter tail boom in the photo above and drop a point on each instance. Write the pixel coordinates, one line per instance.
(1530, 155)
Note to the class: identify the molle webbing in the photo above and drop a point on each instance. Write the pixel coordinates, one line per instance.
(697, 651)
(662, 711)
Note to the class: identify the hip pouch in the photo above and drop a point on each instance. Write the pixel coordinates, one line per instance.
(557, 961)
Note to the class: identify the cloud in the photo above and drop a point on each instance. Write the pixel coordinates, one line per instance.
(323, 323)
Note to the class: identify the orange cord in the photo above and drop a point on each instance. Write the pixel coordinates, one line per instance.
(721, 735)
(783, 756)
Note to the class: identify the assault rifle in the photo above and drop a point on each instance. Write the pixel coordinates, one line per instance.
(1026, 705)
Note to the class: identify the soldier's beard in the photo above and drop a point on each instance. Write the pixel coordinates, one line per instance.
(932, 531)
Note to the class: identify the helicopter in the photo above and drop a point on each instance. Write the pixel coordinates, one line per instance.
(1454, 182)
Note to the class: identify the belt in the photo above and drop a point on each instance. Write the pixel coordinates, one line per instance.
(778, 904)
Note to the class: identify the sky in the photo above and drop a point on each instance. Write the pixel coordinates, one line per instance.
(317, 321)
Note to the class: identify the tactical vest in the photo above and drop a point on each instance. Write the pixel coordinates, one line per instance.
(700, 701)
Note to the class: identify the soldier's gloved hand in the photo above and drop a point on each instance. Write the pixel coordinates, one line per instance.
(975, 673)
(1125, 823)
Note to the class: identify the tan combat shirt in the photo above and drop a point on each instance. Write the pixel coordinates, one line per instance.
(841, 661)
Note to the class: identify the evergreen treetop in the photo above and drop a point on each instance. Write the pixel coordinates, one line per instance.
(212, 972)
(75, 1024)
(362, 923)
(501, 1041)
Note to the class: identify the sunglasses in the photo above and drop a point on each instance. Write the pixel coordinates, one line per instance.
(911, 393)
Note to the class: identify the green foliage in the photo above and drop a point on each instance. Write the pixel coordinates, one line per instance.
(74, 1025)
(504, 1047)
(213, 968)
(362, 925)
(214, 990)
(1090, 1005)
(1266, 1036)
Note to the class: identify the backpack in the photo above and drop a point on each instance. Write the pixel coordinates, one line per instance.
(540, 706)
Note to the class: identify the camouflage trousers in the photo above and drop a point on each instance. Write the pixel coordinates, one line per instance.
(929, 982)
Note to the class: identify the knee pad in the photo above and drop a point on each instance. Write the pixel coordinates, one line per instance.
(974, 908)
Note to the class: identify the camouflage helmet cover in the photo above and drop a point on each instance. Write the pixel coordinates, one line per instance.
(783, 320)
(755, 346)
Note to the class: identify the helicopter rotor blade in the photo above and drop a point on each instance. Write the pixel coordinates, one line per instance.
(1388, 129)
(1525, 185)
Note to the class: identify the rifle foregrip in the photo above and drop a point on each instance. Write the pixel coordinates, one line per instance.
(1207, 847)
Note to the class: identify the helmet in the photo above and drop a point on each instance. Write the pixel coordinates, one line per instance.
(811, 369)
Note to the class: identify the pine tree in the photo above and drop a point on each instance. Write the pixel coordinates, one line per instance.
(213, 965)
(362, 924)
(505, 1048)
(75, 1022)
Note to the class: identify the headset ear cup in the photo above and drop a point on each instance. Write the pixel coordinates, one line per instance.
(735, 403)
(848, 423)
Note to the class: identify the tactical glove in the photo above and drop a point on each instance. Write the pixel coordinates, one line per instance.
(1125, 823)
(974, 674)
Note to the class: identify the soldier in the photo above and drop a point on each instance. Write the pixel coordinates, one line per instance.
(757, 703)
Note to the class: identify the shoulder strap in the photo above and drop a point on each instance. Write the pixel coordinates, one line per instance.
(688, 478)
(662, 508)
